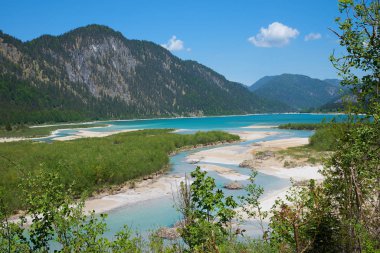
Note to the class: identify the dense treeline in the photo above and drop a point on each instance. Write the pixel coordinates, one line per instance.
(93, 163)
(22, 102)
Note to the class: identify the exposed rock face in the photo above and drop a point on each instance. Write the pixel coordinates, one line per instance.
(86, 64)
(97, 72)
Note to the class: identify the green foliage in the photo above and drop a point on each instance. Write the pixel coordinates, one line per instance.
(93, 164)
(247, 246)
(44, 195)
(295, 223)
(352, 183)
(302, 126)
(301, 153)
(8, 127)
(208, 214)
(359, 35)
(251, 204)
(12, 238)
(325, 138)
(24, 102)
(59, 221)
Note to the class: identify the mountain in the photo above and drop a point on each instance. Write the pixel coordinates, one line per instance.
(261, 82)
(297, 91)
(94, 72)
(338, 103)
(335, 82)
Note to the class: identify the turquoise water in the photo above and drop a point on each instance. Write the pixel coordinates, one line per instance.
(190, 125)
(149, 215)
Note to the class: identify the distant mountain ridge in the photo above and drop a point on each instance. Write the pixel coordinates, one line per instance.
(335, 82)
(297, 91)
(94, 72)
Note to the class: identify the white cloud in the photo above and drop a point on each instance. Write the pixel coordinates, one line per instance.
(313, 36)
(174, 44)
(276, 35)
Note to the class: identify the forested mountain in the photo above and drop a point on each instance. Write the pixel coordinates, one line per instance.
(297, 91)
(94, 72)
(335, 82)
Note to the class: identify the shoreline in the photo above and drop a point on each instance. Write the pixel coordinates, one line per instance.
(190, 117)
(254, 126)
(81, 133)
(157, 183)
(53, 133)
(270, 166)
(160, 184)
(224, 172)
(102, 200)
(153, 187)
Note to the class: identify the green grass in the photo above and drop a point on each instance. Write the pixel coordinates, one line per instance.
(91, 164)
(303, 153)
(302, 126)
(325, 136)
(22, 131)
(321, 143)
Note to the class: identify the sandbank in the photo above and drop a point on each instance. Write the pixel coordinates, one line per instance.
(252, 135)
(283, 143)
(224, 172)
(164, 186)
(233, 154)
(90, 134)
(12, 139)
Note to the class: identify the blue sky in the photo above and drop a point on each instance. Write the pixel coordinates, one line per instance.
(241, 39)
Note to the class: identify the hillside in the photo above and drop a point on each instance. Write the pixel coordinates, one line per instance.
(297, 91)
(94, 72)
(335, 82)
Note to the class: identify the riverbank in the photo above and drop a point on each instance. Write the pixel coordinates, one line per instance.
(152, 187)
(165, 185)
(90, 134)
(21, 132)
(91, 164)
(262, 157)
(162, 185)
